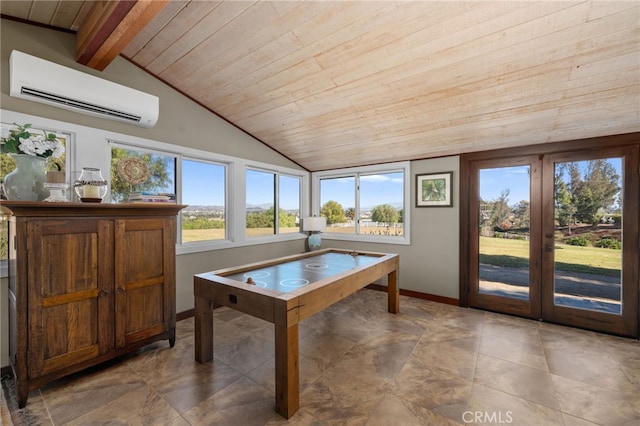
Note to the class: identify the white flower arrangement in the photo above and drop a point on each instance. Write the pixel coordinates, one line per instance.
(23, 141)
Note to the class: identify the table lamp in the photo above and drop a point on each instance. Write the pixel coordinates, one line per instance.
(314, 226)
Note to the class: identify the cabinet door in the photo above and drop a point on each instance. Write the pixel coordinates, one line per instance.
(145, 279)
(70, 282)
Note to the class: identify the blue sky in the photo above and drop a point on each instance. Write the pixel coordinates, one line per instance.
(203, 185)
(375, 189)
(494, 181)
(516, 179)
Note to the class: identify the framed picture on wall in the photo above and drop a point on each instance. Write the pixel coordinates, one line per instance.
(434, 190)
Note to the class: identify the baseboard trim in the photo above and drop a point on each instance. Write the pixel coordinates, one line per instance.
(185, 314)
(418, 295)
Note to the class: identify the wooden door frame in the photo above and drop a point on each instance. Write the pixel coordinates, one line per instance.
(628, 140)
(604, 321)
(529, 308)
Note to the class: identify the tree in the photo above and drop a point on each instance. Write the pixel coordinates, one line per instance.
(601, 178)
(260, 219)
(350, 213)
(586, 205)
(266, 219)
(521, 214)
(500, 210)
(333, 211)
(385, 213)
(565, 209)
(594, 190)
(158, 171)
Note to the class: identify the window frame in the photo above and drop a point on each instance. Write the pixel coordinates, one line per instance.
(228, 218)
(403, 167)
(277, 173)
(235, 193)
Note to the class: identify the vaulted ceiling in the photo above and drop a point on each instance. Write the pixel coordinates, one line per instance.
(332, 84)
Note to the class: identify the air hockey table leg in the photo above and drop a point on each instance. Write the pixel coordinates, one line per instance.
(393, 291)
(287, 370)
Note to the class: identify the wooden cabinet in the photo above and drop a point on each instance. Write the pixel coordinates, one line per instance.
(87, 282)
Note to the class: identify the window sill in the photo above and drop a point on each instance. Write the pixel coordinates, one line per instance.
(197, 247)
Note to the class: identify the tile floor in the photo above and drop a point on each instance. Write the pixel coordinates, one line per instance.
(433, 364)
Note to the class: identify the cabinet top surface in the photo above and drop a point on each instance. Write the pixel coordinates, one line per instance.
(41, 208)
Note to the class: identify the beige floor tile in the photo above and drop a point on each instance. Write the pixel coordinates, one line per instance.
(516, 379)
(392, 410)
(424, 384)
(336, 398)
(243, 402)
(324, 347)
(381, 355)
(433, 364)
(80, 394)
(596, 404)
(522, 351)
(142, 406)
(596, 369)
(495, 407)
(185, 389)
(446, 357)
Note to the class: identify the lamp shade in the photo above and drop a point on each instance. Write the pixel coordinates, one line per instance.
(314, 224)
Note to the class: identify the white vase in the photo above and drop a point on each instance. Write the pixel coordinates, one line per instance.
(26, 182)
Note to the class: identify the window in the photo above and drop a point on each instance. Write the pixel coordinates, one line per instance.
(264, 209)
(289, 204)
(160, 182)
(260, 217)
(7, 165)
(204, 192)
(338, 203)
(364, 203)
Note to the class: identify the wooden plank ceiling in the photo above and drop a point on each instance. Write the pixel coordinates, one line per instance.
(338, 84)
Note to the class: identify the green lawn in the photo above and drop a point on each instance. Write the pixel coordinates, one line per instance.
(515, 253)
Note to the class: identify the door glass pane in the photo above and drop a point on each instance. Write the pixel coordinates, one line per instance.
(588, 235)
(504, 232)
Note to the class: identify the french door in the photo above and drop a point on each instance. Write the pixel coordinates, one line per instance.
(554, 236)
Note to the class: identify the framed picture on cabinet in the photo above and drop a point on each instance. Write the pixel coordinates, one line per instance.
(434, 190)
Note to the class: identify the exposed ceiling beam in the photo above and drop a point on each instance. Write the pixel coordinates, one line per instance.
(110, 26)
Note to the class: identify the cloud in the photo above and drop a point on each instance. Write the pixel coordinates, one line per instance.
(381, 178)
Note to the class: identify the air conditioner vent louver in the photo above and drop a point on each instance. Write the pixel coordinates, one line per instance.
(49, 83)
(79, 104)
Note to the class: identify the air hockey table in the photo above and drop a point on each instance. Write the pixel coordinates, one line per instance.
(285, 291)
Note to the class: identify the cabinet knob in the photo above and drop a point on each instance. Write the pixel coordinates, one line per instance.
(120, 290)
(104, 293)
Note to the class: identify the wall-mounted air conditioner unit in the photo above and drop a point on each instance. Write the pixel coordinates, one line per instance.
(38, 80)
